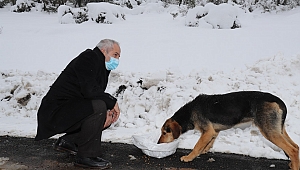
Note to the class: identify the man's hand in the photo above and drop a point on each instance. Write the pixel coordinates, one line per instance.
(116, 112)
(112, 116)
(109, 118)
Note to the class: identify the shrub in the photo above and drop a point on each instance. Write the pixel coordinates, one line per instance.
(81, 15)
(23, 6)
(76, 15)
(52, 5)
(49, 8)
(194, 15)
(105, 13)
(223, 16)
(3, 3)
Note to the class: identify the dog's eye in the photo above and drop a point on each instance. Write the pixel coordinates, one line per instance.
(164, 133)
(168, 130)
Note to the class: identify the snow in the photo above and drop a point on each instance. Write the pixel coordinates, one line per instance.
(213, 16)
(163, 65)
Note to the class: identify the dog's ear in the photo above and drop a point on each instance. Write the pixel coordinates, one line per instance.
(175, 129)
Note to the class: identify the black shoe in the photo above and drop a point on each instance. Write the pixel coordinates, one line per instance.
(95, 162)
(65, 146)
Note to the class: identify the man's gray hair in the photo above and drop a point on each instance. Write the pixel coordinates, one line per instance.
(107, 44)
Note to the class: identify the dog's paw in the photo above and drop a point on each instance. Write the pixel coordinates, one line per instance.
(205, 151)
(186, 159)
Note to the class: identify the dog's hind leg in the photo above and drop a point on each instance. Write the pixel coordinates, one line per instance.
(270, 123)
(205, 141)
(286, 136)
(292, 151)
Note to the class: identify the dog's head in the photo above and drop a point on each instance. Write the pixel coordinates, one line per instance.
(170, 131)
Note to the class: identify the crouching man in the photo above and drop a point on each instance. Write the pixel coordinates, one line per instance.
(77, 106)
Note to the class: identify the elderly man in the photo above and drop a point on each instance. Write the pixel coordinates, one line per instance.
(77, 105)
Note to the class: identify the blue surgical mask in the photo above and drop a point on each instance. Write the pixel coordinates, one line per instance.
(112, 63)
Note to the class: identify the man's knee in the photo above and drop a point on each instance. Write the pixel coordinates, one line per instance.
(99, 106)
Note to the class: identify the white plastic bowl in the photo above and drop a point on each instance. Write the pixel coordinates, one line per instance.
(148, 145)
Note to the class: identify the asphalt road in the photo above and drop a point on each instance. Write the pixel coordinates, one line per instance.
(25, 153)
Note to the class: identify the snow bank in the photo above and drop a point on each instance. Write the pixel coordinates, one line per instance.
(147, 100)
(223, 16)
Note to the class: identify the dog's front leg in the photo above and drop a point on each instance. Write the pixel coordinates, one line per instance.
(206, 140)
(210, 144)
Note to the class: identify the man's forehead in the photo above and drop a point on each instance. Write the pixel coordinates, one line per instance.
(117, 48)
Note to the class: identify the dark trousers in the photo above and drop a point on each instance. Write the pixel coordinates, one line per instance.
(87, 133)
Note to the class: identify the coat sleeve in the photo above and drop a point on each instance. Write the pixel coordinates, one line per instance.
(86, 69)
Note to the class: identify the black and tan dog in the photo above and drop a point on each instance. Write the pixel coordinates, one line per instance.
(212, 113)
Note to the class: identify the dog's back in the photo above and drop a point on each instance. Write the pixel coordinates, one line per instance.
(230, 109)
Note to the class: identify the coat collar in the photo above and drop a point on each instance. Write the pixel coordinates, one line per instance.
(99, 53)
(101, 56)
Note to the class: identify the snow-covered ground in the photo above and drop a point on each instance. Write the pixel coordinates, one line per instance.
(174, 62)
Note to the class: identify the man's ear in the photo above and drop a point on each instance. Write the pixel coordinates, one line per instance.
(103, 51)
(107, 58)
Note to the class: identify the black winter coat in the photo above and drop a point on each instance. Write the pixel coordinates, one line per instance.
(69, 99)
